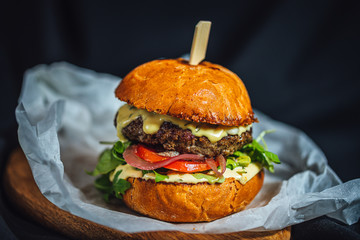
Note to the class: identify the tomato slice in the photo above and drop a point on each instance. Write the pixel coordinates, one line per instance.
(149, 154)
(188, 166)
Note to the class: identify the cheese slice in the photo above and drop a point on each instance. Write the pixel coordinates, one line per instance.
(242, 174)
(152, 122)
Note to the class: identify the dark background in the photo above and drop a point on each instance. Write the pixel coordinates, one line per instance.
(298, 59)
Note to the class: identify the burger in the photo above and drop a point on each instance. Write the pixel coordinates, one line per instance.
(185, 151)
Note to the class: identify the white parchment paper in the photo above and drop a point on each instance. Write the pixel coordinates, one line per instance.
(64, 111)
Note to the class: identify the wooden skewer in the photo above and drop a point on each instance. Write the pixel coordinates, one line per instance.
(200, 41)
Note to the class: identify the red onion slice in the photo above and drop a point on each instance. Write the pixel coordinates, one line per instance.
(222, 161)
(212, 164)
(132, 159)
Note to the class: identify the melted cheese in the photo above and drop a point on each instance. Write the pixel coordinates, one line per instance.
(152, 122)
(243, 175)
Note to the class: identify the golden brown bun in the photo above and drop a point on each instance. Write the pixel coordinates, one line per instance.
(181, 202)
(206, 92)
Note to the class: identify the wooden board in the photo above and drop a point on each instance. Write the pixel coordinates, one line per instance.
(21, 188)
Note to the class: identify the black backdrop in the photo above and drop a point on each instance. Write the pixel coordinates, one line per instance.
(298, 59)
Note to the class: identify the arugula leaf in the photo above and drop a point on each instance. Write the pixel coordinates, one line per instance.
(255, 152)
(116, 188)
(109, 159)
(259, 153)
(272, 156)
(118, 149)
(120, 185)
(159, 177)
(103, 183)
(106, 163)
(105, 186)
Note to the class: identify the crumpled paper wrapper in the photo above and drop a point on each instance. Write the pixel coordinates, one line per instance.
(64, 111)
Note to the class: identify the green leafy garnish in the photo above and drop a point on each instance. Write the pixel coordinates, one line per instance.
(110, 158)
(103, 183)
(259, 153)
(253, 152)
(119, 147)
(116, 188)
(159, 177)
(120, 185)
(106, 163)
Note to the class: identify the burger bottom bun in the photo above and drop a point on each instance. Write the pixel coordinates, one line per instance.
(182, 202)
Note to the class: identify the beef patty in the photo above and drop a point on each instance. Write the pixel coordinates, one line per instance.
(174, 138)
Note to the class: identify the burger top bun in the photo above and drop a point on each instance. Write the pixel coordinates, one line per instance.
(206, 92)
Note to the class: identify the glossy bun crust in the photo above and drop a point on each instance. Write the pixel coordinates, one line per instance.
(206, 92)
(181, 202)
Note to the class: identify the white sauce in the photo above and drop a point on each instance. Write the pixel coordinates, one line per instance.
(243, 175)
